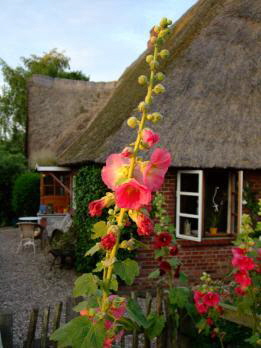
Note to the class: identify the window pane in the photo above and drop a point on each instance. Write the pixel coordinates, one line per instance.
(189, 182)
(189, 226)
(48, 180)
(216, 200)
(48, 190)
(189, 204)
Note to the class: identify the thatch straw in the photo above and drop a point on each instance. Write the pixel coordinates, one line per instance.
(212, 105)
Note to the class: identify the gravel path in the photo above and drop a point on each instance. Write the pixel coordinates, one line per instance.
(26, 281)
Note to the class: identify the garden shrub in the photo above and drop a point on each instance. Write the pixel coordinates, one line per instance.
(89, 186)
(26, 194)
(11, 165)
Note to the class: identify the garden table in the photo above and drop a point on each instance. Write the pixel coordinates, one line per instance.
(29, 218)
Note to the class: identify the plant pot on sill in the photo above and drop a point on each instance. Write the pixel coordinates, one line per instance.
(213, 231)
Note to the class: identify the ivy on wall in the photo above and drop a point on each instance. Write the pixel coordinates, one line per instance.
(88, 187)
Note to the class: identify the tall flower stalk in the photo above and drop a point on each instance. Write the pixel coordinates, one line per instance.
(132, 181)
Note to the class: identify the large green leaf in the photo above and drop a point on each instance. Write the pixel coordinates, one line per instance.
(135, 313)
(127, 270)
(99, 229)
(114, 283)
(85, 285)
(154, 274)
(179, 297)
(156, 323)
(91, 302)
(95, 336)
(73, 333)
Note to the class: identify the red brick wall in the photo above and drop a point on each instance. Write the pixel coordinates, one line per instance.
(210, 255)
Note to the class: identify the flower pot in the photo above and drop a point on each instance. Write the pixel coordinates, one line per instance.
(213, 231)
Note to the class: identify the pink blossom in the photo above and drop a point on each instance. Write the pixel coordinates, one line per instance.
(116, 168)
(132, 195)
(95, 207)
(156, 168)
(149, 138)
(240, 291)
(108, 342)
(243, 279)
(211, 299)
(237, 252)
(243, 263)
(108, 324)
(201, 308)
(118, 312)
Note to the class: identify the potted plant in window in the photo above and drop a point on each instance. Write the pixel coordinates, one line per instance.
(216, 214)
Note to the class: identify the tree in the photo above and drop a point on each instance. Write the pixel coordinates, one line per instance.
(13, 101)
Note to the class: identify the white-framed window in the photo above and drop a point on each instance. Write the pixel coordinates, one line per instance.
(189, 204)
(207, 199)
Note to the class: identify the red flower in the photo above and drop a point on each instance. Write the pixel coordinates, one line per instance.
(211, 299)
(240, 291)
(243, 263)
(164, 267)
(108, 241)
(145, 225)
(162, 239)
(149, 138)
(243, 279)
(201, 308)
(237, 252)
(173, 250)
(132, 195)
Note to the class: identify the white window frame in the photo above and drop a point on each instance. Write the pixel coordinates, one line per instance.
(198, 194)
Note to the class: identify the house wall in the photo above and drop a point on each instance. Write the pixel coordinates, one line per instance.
(212, 255)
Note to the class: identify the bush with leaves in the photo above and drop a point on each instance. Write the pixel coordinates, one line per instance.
(26, 194)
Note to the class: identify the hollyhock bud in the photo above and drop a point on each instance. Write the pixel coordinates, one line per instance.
(164, 22)
(149, 58)
(142, 106)
(160, 76)
(142, 80)
(161, 240)
(127, 152)
(156, 117)
(173, 250)
(95, 207)
(145, 225)
(132, 195)
(149, 117)
(149, 138)
(164, 54)
(159, 88)
(154, 64)
(132, 122)
(108, 241)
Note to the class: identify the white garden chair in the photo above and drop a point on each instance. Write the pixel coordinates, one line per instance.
(27, 234)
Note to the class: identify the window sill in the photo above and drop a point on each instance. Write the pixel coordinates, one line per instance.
(211, 241)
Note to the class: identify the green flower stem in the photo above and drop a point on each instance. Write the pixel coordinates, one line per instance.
(113, 253)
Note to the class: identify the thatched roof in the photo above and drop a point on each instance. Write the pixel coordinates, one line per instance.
(212, 106)
(59, 110)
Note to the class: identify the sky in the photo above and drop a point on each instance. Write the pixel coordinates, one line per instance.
(102, 37)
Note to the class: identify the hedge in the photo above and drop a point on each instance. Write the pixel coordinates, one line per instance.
(88, 187)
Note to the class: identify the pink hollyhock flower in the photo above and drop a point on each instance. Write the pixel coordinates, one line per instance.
(108, 342)
(132, 195)
(145, 225)
(161, 240)
(238, 252)
(108, 241)
(243, 263)
(116, 168)
(211, 299)
(240, 291)
(173, 250)
(108, 324)
(149, 138)
(156, 168)
(201, 308)
(118, 312)
(198, 296)
(243, 279)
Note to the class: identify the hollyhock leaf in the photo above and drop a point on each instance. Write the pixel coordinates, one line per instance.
(179, 296)
(95, 336)
(138, 244)
(161, 252)
(127, 270)
(183, 278)
(91, 302)
(174, 262)
(99, 229)
(114, 283)
(154, 274)
(99, 267)
(73, 333)
(93, 250)
(157, 323)
(85, 285)
(135, 313)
